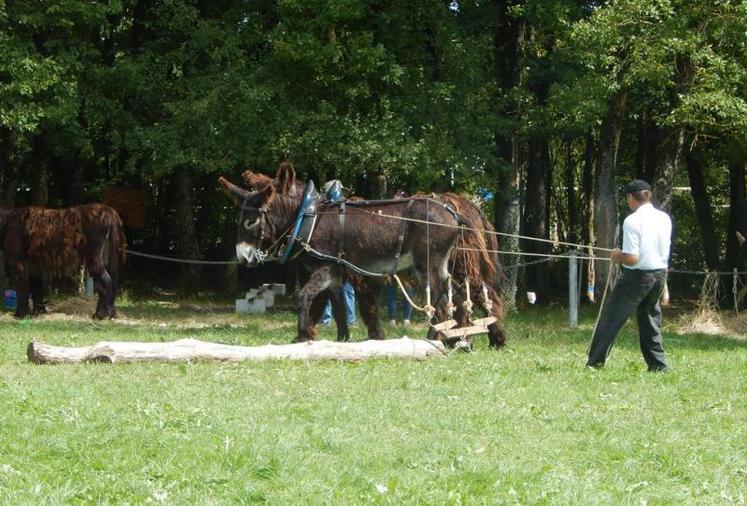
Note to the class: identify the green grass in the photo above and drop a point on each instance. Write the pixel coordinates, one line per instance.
(526, 425)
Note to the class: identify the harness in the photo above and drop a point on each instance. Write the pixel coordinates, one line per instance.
(303, 227)
(305, 221)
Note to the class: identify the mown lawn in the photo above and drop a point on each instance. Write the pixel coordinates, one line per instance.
(526, 425)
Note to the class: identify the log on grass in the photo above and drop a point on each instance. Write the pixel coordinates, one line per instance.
(188, 350)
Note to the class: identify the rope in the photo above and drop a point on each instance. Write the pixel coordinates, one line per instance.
(426, 222)
(611, 276)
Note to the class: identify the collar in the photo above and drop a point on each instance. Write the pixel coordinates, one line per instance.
(309, 204)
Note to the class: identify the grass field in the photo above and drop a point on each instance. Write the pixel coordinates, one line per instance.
(526, 425)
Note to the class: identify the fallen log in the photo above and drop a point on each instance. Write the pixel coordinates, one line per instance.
(188, 350)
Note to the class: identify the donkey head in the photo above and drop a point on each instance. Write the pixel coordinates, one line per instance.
(255, 229)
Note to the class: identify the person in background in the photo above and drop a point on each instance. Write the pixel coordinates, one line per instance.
(392, 288)
(348, 295)
(644, 257)
(391, 303)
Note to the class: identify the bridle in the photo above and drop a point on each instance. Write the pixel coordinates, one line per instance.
(264, 224)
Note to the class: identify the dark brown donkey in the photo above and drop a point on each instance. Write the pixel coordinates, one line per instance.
(38, 241)
(475, 258)
(368, 237)
(366, 288)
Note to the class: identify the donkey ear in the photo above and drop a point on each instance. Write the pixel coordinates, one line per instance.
(255, 180)
(740, 238)
(238, 195)
(286, 177)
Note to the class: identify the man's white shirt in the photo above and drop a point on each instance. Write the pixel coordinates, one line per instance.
(647, 232)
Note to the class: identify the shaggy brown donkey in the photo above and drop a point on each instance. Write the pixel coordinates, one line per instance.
(38, 241)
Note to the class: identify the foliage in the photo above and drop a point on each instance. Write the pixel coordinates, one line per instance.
(130, 92)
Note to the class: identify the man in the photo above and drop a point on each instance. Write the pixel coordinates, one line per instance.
(644, 258)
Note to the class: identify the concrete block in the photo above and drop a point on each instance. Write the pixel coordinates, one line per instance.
(256, 305)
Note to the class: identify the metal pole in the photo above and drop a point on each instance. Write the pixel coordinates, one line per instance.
(573, 288)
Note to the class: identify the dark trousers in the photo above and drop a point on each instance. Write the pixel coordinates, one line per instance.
(635, 292)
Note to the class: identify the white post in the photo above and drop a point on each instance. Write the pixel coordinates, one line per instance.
(573, 288)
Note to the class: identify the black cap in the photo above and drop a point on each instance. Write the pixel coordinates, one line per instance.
(637, 185)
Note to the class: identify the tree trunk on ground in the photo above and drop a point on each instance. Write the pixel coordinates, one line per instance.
(702, 209)
(606, 213)
(189, 350)
(187, 236)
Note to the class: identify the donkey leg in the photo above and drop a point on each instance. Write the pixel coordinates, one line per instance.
(21, 277)
(339, 313)
(36, 285)
(496, 333)
(102, 284)
(367, 293)
(316, 310)
(319, 280)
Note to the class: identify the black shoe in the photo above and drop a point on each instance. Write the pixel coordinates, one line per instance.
(658, 369)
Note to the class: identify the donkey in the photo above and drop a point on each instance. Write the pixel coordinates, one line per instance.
(366, 291)
(368, 237)
(39, 241)
(475, 258)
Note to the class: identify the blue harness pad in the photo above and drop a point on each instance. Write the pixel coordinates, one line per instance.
(309, 203)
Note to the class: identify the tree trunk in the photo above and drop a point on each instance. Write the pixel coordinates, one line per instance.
(508, 221)
(190, 350)
(39, 173)
(671, 142)
(605, 213)
(587, 233)
(670, 151)
(702, 209)
(645, 158)
(10, 171)
(508, 47)
(535, 216)
(74, 187)
(737, 214)
(187, 235)
(570, 191)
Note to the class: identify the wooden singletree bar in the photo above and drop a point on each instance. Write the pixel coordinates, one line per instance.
(187, 350)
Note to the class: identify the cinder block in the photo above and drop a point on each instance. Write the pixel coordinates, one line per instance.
(256, 305)
(269, 298)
